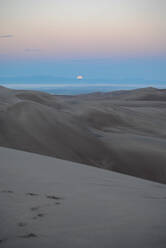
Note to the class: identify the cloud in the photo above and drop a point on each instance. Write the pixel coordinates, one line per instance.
(32, 50)
(6, 36)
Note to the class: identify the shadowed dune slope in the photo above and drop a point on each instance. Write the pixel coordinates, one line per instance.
(33, 127)
(123, 131)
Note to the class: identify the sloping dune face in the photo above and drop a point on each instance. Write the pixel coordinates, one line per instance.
(35, 127)
(122, 131)
(48, 202)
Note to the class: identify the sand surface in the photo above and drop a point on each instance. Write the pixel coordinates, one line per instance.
(124, 131)
(48, 202)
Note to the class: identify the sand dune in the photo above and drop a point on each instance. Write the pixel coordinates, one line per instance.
(47, 202)
(123, 131)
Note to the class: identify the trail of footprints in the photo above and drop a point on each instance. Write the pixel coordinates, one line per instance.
(34, 209)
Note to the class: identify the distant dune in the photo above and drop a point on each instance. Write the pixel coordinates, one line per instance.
(48, 203)
(124, 131)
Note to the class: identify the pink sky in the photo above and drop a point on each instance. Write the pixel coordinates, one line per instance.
(76, 28)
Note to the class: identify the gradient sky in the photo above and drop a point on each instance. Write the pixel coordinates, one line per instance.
(34, 31)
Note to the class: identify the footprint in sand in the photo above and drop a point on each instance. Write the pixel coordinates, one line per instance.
(29, 235)
(32, 194)
(7, 191)
(40, 215)
(35, 208)
(22, 224)
(53, 197)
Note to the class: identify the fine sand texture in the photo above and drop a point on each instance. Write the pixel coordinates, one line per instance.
(48, 202)
(123, 131)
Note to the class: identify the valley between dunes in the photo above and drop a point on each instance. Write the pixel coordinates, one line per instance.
(123, 131)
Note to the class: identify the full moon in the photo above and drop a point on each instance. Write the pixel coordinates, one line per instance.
(79, 77)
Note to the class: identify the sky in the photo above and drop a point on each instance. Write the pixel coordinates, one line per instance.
(111, 39)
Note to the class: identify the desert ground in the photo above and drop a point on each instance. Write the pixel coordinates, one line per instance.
(48, 202)
(123, 131)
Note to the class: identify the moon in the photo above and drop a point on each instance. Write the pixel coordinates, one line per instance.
(79, 77)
